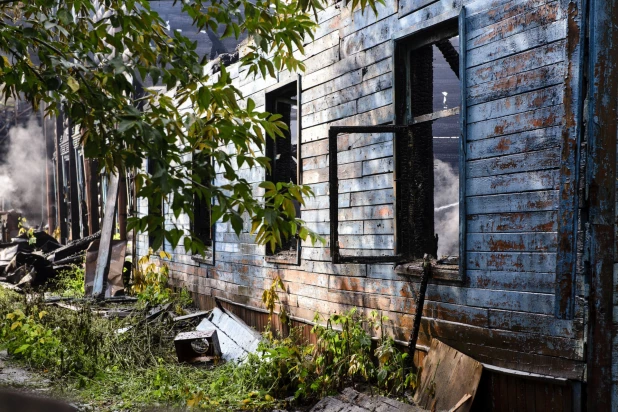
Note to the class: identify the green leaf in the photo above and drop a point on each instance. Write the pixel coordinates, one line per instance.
(72, 83)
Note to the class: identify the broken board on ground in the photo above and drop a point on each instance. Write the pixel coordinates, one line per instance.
(448, 376)
(236, 338)
(115, 285)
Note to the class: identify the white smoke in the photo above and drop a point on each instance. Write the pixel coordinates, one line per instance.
(446, 208)
(22, 174)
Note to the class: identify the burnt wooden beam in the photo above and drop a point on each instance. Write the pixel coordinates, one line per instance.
(107, 232)
(566, 258)
(73, 189)
(420, 303)
(60, 204)
(601, 197)
(450, 54)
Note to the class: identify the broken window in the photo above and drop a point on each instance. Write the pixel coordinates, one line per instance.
(284, 156)
(427, 153)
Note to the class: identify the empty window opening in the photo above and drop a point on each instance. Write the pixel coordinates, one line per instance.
(283, 153)
(201, 225)
(428, 154)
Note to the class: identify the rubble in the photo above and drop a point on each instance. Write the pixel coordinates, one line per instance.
(197, 346)
(236, 338)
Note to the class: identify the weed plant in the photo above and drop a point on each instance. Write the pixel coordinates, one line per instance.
(88, 358)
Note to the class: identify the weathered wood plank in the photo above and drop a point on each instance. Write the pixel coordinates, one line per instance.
(375, 100)
(366, 242)
(366, 212)
(512, 261)
(349, 93)
(534, 282)
(517, 43)
(373, 182)
(535, 323)
(545, 221)
(378, 226)
(512, 183)
(534, 119)
(529, 141)
(408, 6)
(540, 16)
(369, 36)
(516, 163)
(490, 13)
(348, 64)
(377, 166)
(516, 202)
(373, 197)
(512, 242)
(527, 343)
(516, 358)
(520, 103)
(519, 82)
(383, 115)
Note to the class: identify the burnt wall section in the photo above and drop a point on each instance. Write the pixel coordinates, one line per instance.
(502, 312)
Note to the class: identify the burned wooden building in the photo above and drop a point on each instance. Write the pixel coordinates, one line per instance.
(482, 133)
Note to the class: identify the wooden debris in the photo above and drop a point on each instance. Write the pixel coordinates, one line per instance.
(447, 377)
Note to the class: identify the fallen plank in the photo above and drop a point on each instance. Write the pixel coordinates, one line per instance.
(447, 377)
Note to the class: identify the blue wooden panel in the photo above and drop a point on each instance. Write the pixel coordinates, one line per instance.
(463, 122)
(566, 261)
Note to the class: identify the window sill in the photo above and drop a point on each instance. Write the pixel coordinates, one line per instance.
(206, 258)
(284, 258)
(439, 271)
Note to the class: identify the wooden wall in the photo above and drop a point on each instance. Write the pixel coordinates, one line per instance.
(502, 312)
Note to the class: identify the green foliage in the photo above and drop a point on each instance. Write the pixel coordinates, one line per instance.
(89, 357)
(70, 282)
(151, 283)
(26, 336)
(75, 58)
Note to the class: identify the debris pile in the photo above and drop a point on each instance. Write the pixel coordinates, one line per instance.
(31, 257)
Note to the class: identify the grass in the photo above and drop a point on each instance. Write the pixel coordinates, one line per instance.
(88, 361)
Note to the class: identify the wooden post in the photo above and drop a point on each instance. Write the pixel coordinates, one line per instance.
(50, 135)
(420, 303)
(601, 197)
(107, 232)
(122, 206)
(91, 177)
(60, 204)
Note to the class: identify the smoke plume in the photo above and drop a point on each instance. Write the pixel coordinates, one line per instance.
(446, 212)
(22, 174)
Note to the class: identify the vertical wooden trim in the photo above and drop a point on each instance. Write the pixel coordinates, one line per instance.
(299, 159)
(333, 192)
(566, 257)
(73, 189)
(463, 124)
(601, 197)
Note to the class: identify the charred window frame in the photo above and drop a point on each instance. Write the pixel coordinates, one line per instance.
(285, 157)
(155, 206)
(413, 145)
(201, 224)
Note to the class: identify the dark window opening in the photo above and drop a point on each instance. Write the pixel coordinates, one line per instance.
(428, 153)
(155, 205)
(284, 155)
(201, 225)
